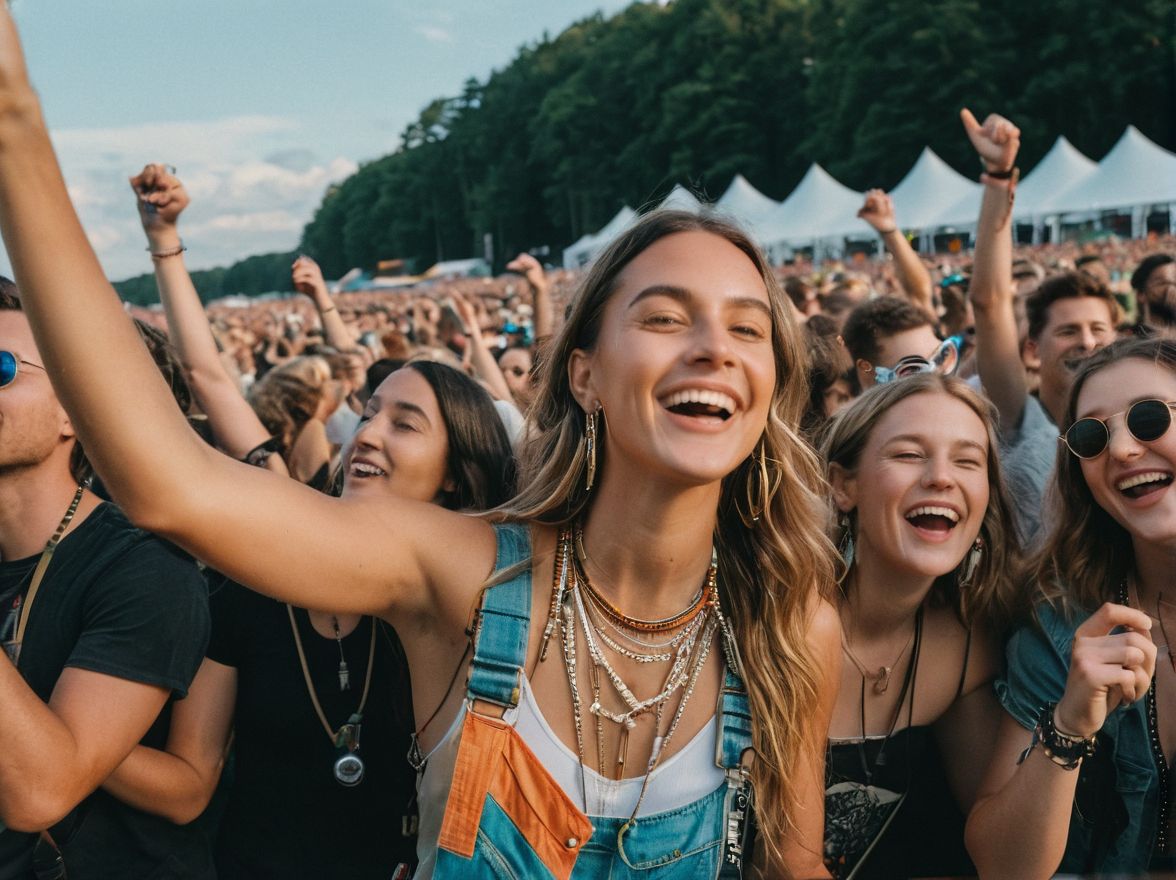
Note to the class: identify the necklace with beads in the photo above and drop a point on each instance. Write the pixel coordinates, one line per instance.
(575, 604)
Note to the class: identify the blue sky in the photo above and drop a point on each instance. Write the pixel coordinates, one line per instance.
(260, 104)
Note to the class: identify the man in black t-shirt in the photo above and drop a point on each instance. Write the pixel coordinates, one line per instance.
(102, 638)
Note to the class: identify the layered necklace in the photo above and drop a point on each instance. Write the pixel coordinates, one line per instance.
(682, 640)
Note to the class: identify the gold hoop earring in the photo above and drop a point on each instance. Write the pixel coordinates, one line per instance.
(590, 446)
(757, 489)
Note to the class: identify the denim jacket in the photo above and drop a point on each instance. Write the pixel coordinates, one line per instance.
(1113, 821)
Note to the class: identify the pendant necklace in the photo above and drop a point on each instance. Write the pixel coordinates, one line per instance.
(881, 678)
(344, 672)
(349, 767)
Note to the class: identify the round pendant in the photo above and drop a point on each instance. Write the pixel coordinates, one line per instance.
(349, 769)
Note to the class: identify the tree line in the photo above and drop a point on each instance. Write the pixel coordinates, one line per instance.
(615, 111)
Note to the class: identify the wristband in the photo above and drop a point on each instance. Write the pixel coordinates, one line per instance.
(1007, 174)
(170, 252)
(259, 454)
(1065, 750)
(888, 231)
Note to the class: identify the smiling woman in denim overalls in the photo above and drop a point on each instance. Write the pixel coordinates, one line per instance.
(651, 646)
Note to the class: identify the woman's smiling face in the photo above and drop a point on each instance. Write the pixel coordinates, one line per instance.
(1132, 480)
(920, 489)
(683, 365)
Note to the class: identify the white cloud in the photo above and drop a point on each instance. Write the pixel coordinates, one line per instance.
(434, 34)
(248, 197)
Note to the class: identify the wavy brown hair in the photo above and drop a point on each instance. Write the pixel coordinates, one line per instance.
(1087, 554)
(991, 598)
(772, 568)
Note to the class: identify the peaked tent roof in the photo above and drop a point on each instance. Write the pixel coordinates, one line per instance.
(1060, 169)
(744, 202)
(929, 189)
(588, 246)
(680, 199)
(818, 207)
(1135, 172)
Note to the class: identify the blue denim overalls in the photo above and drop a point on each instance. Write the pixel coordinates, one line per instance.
(507, 818)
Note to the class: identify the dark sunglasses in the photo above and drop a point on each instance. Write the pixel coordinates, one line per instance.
(1147, 420)
(10, 366)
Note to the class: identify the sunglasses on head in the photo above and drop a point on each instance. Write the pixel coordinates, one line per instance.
(10, 366)
(943, 360)
(1146, 420)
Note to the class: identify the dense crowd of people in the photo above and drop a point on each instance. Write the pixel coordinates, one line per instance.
(683, 565)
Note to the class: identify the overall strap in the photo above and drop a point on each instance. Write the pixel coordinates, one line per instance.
(734, 740)
(504, 622)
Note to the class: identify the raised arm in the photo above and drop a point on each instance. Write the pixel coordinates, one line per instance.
(161, 198)
(532, 270)
(485, 367)
(308, 279)
(281, 538)
(878, 211)
(178, 782)
(1020, 824)
(998, 351)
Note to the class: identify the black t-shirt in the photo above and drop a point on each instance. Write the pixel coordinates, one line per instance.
(287, 816)
(121, 602)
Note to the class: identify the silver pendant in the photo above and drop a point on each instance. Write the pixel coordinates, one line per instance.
(344, 676)
(349, 769)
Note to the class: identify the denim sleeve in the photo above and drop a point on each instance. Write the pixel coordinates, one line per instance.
(1035, 671)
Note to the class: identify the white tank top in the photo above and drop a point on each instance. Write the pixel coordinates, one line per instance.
(687, 776)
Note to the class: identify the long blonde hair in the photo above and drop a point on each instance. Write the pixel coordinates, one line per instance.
(990, 597)
(772, 567)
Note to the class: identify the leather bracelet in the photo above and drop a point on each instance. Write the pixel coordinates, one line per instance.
(1007, 174)
(1063, 749)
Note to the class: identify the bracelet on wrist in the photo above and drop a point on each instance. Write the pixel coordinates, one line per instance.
(331, 308)
(259, 454)
(888, 231)
(1065, 750)
(1007, 174)
(169, 252)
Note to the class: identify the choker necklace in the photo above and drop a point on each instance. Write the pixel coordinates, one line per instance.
(349, 767)
(881, 678)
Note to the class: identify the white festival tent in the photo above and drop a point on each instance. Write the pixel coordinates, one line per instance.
(588, 246)
(818, 208)
(1136, 174)
(744, 203)
(680, 199)
(919, 198)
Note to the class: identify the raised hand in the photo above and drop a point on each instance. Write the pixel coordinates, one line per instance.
(529, 268)
(308, 278)
(878, 211)
(160, 196)
(1107, 668)
(997, 140)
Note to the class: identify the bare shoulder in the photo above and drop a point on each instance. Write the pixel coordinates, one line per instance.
(824, 632)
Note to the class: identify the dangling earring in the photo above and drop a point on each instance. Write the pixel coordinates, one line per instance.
(756, 485)
(972, 562)
(846, 546)
(590, 446)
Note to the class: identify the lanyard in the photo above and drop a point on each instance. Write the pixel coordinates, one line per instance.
(26, 607)
(367, 682)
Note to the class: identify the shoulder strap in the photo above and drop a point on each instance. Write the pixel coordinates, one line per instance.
(964, 668)
(734, 722)
(504, 621)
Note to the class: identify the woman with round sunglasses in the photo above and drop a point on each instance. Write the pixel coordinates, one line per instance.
(1080, 774)
(927, 537)
(655, 646)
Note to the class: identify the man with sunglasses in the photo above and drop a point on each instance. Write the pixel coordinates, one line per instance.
(101, 625)
(1069, 317)
(889, 338)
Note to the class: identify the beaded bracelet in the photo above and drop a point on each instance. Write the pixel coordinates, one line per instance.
(170, 252)
(1063, 749)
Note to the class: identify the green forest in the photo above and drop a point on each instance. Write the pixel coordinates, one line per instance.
(616, 111)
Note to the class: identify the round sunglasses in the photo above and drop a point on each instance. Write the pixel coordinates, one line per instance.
(1146, 420)
(945, 359)
(10, 366)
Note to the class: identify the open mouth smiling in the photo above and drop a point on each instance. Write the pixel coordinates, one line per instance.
(1143, 484)
(933, 518)
(700, 403)
(366, 469)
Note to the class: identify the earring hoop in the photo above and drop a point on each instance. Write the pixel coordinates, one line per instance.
(845, 547)
(758, 483)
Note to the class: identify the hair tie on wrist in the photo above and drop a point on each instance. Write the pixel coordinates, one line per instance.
(1007, 174)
